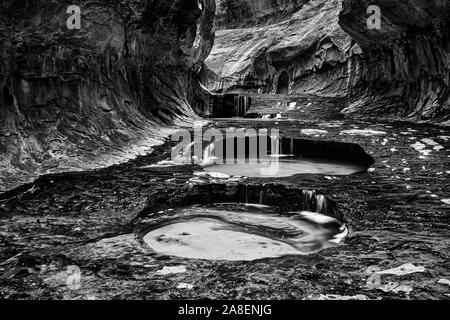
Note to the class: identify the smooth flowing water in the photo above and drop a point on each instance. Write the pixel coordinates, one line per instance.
(243, 232)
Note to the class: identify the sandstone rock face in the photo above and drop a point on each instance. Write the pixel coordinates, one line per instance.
(324, 47)
(287, 47)
(80, 99)
(238, 14)
(405, 71)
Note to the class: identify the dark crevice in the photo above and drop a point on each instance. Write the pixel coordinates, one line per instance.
(8, 97)
(283, 83)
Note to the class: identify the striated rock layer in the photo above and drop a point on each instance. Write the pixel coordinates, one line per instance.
(238, 14)
(324, 47)
(294, 47)
(80, 99)
(405, 71)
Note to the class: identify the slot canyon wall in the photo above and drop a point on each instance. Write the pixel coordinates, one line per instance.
(82, 99)
(288, 46)
(88, 98)
(405, 71)
(323, 47)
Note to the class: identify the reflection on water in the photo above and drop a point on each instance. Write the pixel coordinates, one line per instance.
(243, 232)
(285, 167)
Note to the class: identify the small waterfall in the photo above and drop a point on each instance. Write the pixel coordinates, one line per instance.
(291, 147)
(321, 204)
(266, 117)
(209, 155)
(245, 105)
(242, 105)
(308, 194)
(314, 202)
(275, 146)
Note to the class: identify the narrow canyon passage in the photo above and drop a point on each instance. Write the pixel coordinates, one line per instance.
(224, 149)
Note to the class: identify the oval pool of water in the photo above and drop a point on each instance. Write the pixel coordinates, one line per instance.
(238, 232)
(256, 156)
(285, 167)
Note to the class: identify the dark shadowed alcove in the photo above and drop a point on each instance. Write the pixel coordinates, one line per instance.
(283, 83)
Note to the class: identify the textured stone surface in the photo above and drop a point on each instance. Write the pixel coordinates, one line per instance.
(300, 49)
(405, 71)
(236, 14)
(80, 99)
(95, 220)
(324, 47)
(397, 212)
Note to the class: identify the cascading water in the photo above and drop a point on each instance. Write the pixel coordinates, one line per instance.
(241, 105)
(209, 157)
(321, 203)
(275, 146)
(284, 159)
(259, 156)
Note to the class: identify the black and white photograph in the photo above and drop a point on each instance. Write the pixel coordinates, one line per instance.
(225, 150)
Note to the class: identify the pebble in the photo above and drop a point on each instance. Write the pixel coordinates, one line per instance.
(171, 270)
(402, 270)
(444, 281)
(183, 285)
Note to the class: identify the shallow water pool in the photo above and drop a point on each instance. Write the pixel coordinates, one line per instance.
(243, 232)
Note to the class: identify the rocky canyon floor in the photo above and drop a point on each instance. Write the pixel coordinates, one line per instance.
(397, 215)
